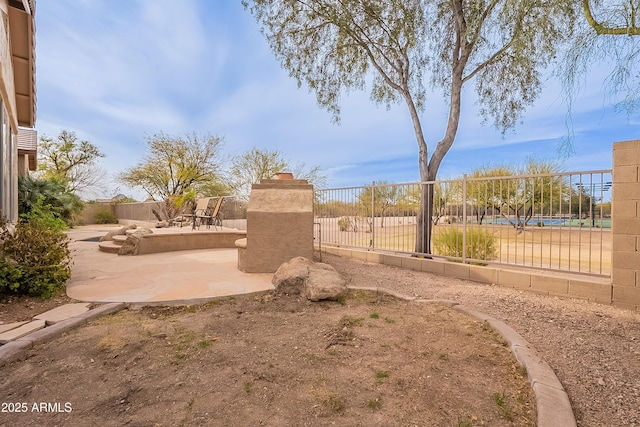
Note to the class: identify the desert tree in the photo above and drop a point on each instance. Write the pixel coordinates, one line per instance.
(257, 164)
(176, 168)
(378, 199)
(614, 18)
(312, 174)
(174, 165)
(485, 188)
(517, 193)
(252, 166)
(604, 38)
(70, 161)
(447, 199)
(403, 46)
(409, 199)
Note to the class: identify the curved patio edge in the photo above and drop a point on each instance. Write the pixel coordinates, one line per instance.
(552, 402)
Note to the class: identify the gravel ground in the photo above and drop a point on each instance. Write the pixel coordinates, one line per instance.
(594, 349)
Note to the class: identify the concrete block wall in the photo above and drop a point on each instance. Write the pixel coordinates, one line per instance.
(625, 229)
(233, 212)
(90, 211)
(138, 211)
(571, 286)
(123, 211)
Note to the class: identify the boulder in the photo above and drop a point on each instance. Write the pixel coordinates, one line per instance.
(291, 276)
(131, 245)
(119, 232)
(324, 282)
(314, 280)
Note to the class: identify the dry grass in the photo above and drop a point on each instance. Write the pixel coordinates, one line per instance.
(586, 250)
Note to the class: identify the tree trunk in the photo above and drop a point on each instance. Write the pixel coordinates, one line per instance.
(424, 223)
(429, 167)
(425, 213)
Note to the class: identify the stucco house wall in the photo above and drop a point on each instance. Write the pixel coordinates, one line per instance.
(17, 97)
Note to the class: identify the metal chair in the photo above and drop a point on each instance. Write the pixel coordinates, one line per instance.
(198, 212)
(212, 217)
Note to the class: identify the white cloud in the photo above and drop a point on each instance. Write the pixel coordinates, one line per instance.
(115, 71)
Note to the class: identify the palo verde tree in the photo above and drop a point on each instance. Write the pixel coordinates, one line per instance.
(69, 161)
(175, 165)
(252, 166)
(256, 164)
(486, 191)
(385, 197)
(498, 46)
(176, 168)
(517, 194)
(447, 199)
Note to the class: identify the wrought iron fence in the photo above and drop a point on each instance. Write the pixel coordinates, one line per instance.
(549, 221)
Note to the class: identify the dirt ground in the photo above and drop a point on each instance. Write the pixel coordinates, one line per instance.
(594, 349)
(21, 308)
(272, 360)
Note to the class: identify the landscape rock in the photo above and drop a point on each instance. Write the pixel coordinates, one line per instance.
(314, 280)
(119, 232)
(291, 276)
(131, 246)
(324, 282)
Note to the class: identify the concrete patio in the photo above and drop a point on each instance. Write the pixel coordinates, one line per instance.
(180, 277)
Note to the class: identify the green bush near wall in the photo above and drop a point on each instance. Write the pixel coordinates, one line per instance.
(34, 258)
(105, 216)
(344, 223)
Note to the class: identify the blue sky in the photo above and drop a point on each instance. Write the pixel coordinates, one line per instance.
(116, 71)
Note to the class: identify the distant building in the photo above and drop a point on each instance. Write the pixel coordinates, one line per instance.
(18, 139)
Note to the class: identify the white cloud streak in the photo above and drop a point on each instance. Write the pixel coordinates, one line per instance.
(117, 71)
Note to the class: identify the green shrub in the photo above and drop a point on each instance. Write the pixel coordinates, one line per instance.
(344, 224)
(45, 216)
(105, 216)
(64, 203)
(480, 243)
(34, 258)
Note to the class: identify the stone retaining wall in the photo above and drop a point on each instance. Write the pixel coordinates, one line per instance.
(156, 243)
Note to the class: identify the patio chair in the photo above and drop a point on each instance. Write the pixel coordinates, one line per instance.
(181, 217)
(211, 217)
(216, 215)
(200, 210)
